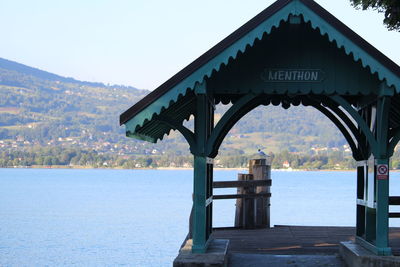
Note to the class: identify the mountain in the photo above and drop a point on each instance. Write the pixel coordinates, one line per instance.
(41, 109)
(9, 68)
(45, 109)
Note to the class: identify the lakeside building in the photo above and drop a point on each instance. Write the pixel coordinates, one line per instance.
(292, 53)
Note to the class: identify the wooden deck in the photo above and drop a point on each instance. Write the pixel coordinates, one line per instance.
(294, 240)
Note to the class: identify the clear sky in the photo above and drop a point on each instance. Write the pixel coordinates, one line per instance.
(142, 42)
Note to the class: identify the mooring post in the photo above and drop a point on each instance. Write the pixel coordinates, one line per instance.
(244, 206)
(253, 211)
(261, 170)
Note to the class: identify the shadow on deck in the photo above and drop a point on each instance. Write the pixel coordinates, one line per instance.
(294, 240)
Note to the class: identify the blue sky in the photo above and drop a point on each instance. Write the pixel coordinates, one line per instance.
(142, 42)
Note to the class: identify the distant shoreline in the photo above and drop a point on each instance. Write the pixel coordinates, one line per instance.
(174, 168)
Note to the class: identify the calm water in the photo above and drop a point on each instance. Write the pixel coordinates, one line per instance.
(139, 217)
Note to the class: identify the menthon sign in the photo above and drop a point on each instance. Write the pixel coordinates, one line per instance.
(292, 75)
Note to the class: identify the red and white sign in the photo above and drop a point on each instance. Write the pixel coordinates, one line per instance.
(382, 172)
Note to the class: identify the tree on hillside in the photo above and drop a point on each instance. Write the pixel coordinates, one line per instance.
(391, 8)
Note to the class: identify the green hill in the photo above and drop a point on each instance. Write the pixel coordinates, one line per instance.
(39, 109)
(12, 69)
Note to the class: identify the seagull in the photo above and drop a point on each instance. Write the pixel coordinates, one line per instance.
(261, 153)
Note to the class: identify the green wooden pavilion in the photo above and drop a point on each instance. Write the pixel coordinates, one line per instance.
(292, 53)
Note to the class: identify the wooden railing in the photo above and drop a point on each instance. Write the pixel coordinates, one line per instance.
(251, 185)
(252, 205)
(395, 201)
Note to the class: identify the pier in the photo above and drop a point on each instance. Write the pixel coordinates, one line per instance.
(353, 84)
(300, 245)
(287, 240)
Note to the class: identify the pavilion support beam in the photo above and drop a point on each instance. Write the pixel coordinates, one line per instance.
(373, 234)
(199, 205)
(362, 178)
(187, 134)
(366, 209)
(364, 128)
(345, 126)
(382, 209)
(382, 181)
(203, 174)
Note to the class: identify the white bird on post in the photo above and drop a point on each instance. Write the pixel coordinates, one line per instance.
(261, 153)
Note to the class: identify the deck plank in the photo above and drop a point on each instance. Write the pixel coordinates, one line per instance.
(294, 240)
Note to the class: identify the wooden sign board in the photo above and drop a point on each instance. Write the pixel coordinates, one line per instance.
(292, 75)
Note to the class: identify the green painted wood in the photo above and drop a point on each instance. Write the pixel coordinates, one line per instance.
(205, 71)
(200, 88)
(382, 131)
(141, 137)
(287, 50)
(382, 210)
(351, 48)
(203, 175)
(385, 90)
(270, 65)
(188, 134)
(344, 127)
(382, 185)
(200, 124)
(376, 188)
(200, 177)
(347, 121)
(227, 121)
(341, 128)
(360, 121)
(199, 205)
(361, 151)
(209, 201)
(333, 40)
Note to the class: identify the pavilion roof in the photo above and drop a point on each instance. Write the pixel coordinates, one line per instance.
(175, 97)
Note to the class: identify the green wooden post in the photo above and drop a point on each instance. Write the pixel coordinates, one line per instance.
(366, 215)
(199, 205)
(375, 231)
(382, 177)
(382, 207)
(202, 225)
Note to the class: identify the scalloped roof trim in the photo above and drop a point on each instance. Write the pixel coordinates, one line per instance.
(205, 71)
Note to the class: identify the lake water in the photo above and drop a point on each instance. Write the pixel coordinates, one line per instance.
(57, 217)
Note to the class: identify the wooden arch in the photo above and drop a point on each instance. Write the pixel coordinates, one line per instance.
(248, 102)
